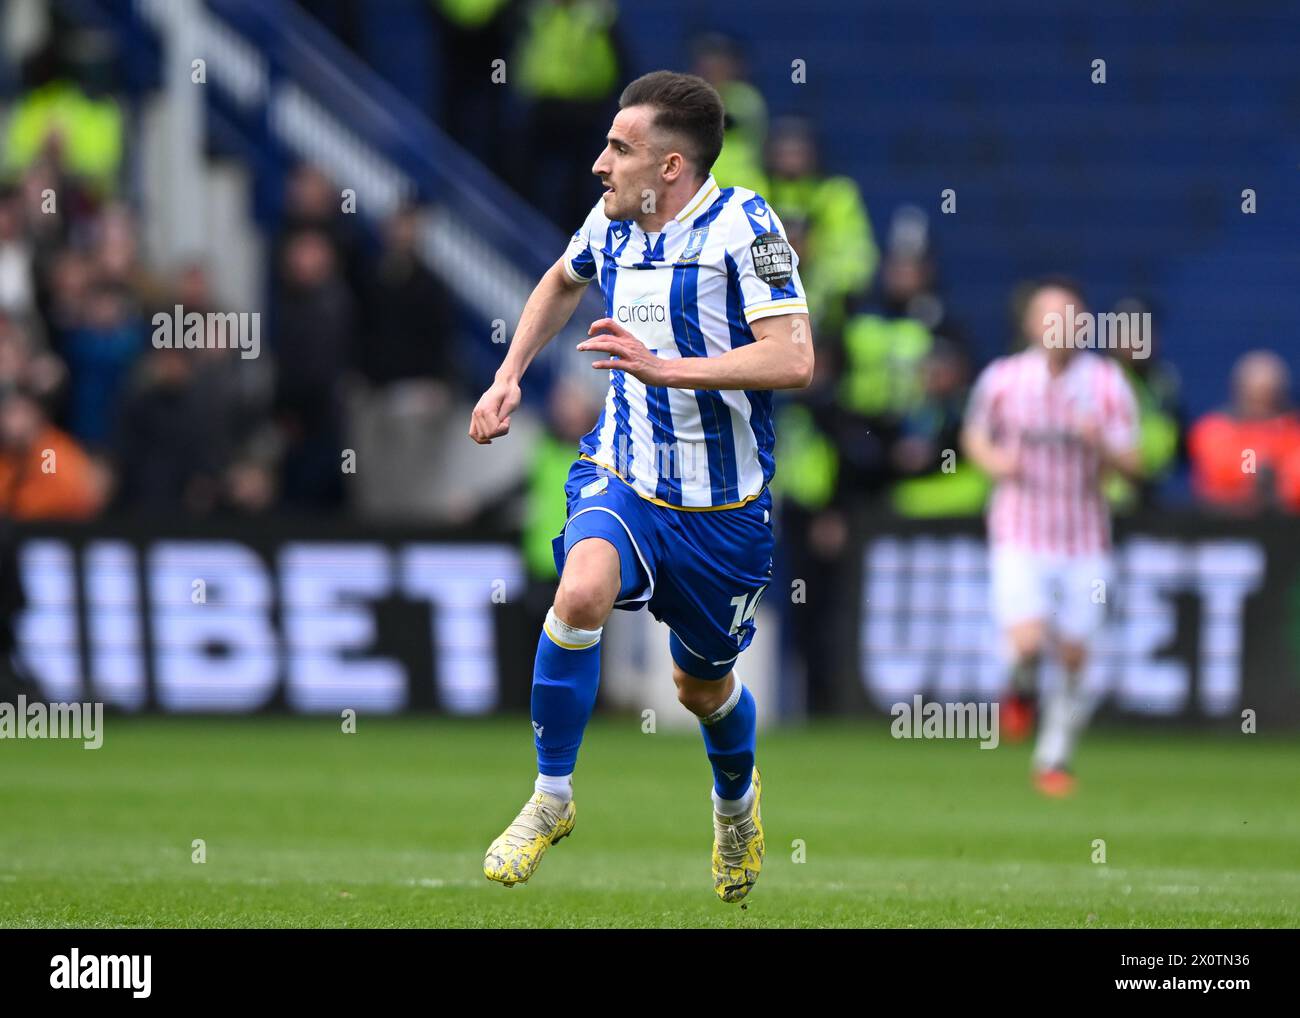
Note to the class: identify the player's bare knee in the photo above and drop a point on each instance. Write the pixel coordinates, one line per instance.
(583, 604)
(700, 696)
(1027, 641)
(700, 702)
(588, 585)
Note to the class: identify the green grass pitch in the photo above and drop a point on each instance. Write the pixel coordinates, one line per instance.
(306, 826)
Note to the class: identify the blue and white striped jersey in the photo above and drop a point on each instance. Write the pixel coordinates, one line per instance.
(691, 290)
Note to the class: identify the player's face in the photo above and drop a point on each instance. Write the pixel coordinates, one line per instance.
(1050, 301)
(630, 164)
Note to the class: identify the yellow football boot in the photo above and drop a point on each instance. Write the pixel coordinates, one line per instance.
(738, 850)
(514, 856)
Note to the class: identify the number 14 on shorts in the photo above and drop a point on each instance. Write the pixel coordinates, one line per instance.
(745, 605)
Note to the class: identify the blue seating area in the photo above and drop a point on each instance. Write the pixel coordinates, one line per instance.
(1133, 186)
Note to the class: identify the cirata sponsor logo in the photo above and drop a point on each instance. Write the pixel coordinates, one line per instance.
(641, 311)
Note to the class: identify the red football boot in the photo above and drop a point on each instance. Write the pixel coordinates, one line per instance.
(1016, 718)
(1055, 782)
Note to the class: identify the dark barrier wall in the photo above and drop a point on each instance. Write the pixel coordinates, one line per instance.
(1205, 619)
(317, 617)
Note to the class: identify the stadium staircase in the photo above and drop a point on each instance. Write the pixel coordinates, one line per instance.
(281, 89)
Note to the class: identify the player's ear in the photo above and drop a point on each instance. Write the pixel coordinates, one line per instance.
(674, 166)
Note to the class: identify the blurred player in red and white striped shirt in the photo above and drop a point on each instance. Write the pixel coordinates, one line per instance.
(1047, 424)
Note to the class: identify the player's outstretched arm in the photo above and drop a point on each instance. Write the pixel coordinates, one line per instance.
(549, 307)
(782, 358)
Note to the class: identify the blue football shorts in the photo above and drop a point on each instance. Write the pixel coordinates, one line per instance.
(701, 573)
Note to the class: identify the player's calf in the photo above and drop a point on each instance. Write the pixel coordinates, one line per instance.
(1020, 703)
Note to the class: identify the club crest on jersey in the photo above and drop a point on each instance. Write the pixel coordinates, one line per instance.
(694, 245)
(773, 259)
(594, 488)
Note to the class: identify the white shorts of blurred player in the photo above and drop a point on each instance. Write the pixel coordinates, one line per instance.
(1068, 593)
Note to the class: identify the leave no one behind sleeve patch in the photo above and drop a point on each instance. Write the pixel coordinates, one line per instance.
(773, 260)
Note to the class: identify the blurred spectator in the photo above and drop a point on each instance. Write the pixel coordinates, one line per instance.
(116, 251)
(233, 394)
(473, 34)
(808, 477)
(412, 319)
(812, 514)
(115, 260)
(409, 374)
(188, 434)
(1246, 457)
(935, 481)
(572, 410)
(882, 354)
(315, 322)
(44, 474)
(17, 276)
(569, 68)
(812, 502)
(69, 116)
(1155, 384)
(166, 447)
(313, 202)
(720, 61)
(50, 211)
(829, 216)
(100, 351)
(24, 365)
(63, 295)
(809, 472)
(192, 291)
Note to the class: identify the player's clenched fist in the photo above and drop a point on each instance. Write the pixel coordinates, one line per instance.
(491, 418)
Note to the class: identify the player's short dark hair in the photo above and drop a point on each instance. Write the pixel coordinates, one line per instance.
(684, 104)
(1056, 281)
(1027, 290)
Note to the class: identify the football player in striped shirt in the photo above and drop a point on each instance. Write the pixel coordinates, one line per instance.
(1047, 424)
(668, 501)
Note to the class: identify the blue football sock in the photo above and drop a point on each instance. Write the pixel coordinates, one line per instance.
(566, 674)
(729, 737)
